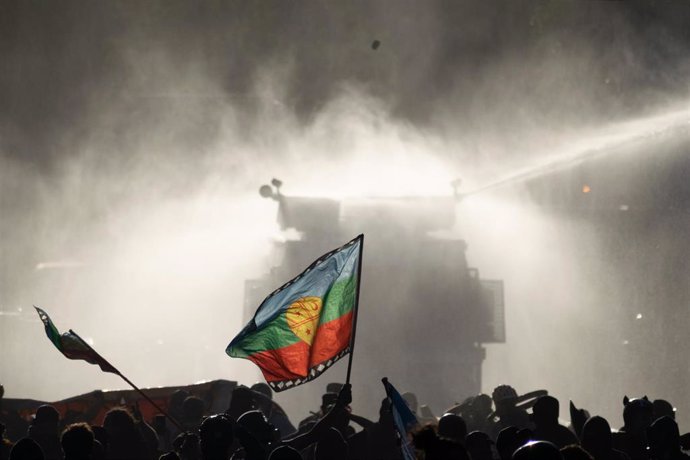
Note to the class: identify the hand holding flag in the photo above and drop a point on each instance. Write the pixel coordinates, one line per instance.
(345, 395)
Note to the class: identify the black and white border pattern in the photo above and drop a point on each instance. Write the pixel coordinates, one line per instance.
(313, 373)
(311, 267)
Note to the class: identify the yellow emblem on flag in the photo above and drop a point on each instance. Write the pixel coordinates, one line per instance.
(303, 317)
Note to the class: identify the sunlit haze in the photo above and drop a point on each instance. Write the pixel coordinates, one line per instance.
(134, 138)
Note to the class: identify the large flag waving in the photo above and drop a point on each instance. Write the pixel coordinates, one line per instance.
(305, 326)
(72, 346)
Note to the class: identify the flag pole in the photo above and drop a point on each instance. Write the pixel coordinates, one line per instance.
(356, 309)
(144, 395)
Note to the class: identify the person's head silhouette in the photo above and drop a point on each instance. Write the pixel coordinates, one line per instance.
(662, 408)
(262, 388)
(242, 401)
(453, 427)
(331, 446)
(637, 415)
(257, 436)
(478, 446)
(596, 436)
(504, 397)
(26, 449)
(215, 437)
(481, 404)
(545, 411)
(509, 440)
(538, 450)
(663, 439)
(46, 417)
(77, 442)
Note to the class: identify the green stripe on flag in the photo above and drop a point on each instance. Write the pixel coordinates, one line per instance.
(51, 331)
(339, 300)
(276, 334)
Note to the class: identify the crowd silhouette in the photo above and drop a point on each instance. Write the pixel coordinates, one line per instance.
(503, 426)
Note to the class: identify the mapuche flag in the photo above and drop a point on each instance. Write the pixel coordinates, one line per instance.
(305, 326)
(72, 346)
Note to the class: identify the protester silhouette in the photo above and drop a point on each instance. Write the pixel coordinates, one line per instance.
(479, 446)
(148, 434)
(263, 396)
(476, 411)
(597, 439)
(242, 401)
(44, 429)
(632, 437)
(163, 433)
(435, 448)
(256, 435)
(328, 399)
(98, 451)
(664, 440)
(246, 431)
(175, 411)
(507, 413)
(453, 427)
(662, 408)
(546, 427)
(379, 440)
(331, 446)
(26, 449)
(125, 441)
(216, 437)
(193, 409)
(510, 439)
(187, 447)
(77, 442)
(16, 427)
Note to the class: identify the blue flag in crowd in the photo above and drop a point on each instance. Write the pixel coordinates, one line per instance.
(405, 421)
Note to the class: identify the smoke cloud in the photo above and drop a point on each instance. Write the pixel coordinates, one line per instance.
(134, 136)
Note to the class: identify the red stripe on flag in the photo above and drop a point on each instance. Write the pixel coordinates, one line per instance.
(286, 363)
(331, 338)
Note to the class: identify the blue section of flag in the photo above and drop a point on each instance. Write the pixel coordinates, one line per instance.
(405, 421)
(316, 280)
